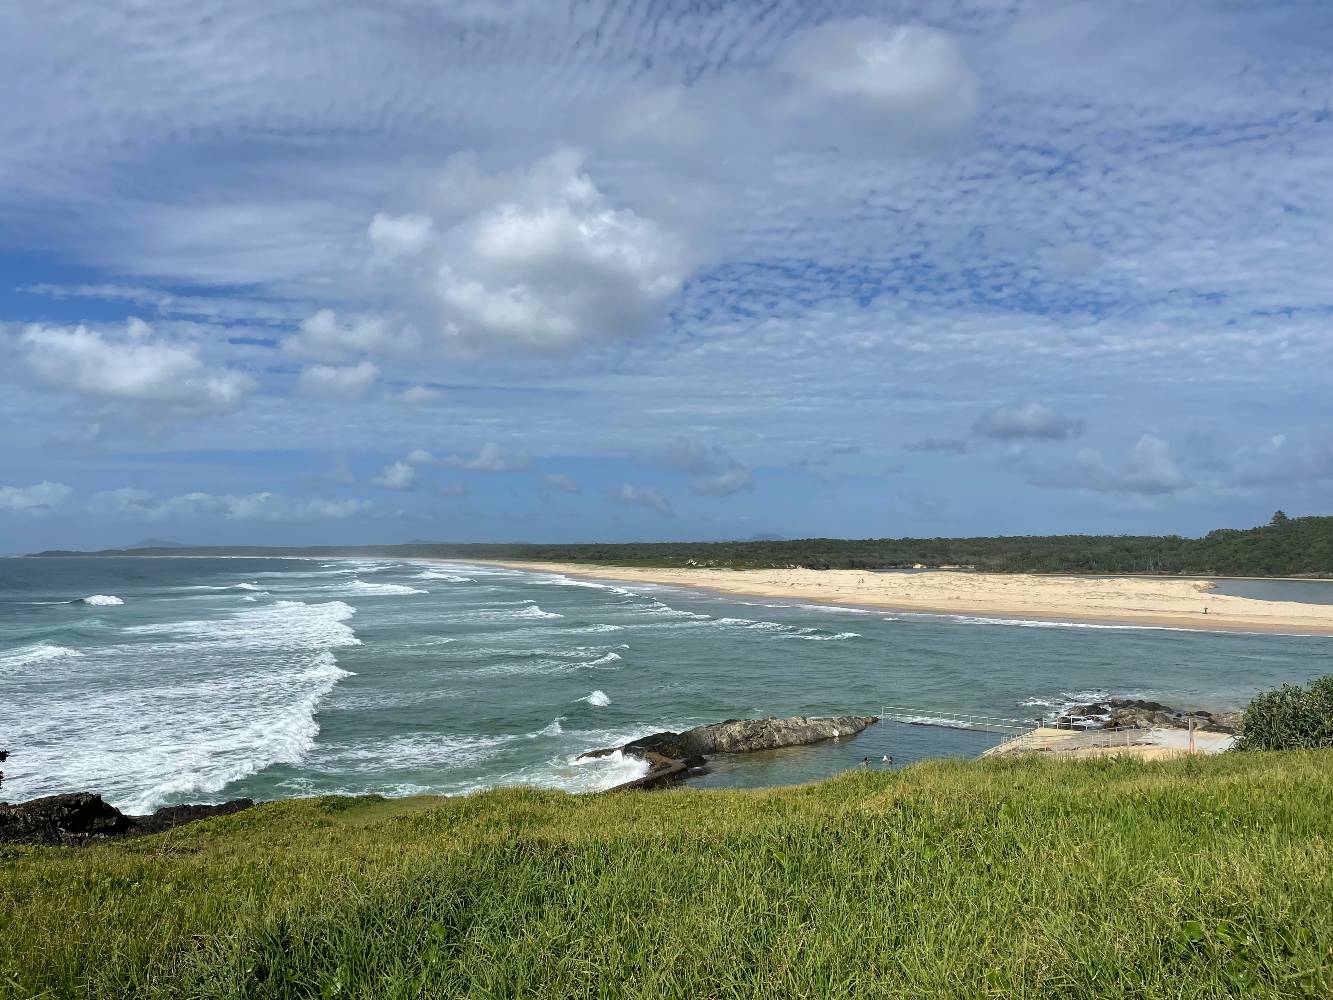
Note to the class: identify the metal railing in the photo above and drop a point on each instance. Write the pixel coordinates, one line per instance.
(957, 720)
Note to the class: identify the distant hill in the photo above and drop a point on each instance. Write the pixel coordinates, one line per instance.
(765, 538)
(156, 543)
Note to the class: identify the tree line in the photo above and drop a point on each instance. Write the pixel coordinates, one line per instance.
(1284, 547)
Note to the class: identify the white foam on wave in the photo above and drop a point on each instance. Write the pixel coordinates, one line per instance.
(547, 661)
(31, 655)
(384, 756)
(787, 631)
(1042, 623)
(564, 581)
(100, 600)
(535, 612)
(182, 709)
(554, 729)
(431, 574)
(379, 589)
(657, 609)
(597, 699)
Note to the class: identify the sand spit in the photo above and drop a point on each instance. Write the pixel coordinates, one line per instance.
(1143, 601)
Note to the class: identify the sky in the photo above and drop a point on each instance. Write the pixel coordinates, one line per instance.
(534, 270)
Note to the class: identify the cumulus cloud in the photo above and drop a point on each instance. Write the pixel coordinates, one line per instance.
(714, 472)
(956, 445)
(908, 81)
(334, 382)
(534, 259)
(1281, 459)
(641, 496)
(396, 476)
(1148, 469)
(132, 365)
(324, 337)
(420, 456)
(135, 504)
(492, 458)
(1027, 420)
(39, 498)
(561, 482)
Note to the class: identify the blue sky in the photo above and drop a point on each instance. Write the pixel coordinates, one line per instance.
(344, 273)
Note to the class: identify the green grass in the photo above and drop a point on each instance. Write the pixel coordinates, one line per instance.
(1024, 878)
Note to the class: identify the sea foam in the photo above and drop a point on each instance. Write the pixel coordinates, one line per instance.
(100, 600)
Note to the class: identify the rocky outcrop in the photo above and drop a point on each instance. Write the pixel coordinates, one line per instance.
(673, 756)
(80, 817)
(1135, 713)
(747, 735)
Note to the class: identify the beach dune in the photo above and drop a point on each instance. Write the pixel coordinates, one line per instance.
(1166, 602)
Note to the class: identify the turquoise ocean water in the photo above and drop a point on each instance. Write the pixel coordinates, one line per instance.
(155, 681)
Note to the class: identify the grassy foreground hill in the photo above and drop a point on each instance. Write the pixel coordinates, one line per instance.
(1285, 547)
(1006, 878)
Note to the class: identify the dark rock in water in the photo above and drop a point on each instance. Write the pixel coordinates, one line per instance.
(1136, 713)
(672, 756)
(72, 818)
(79, 817)
(746, 735)
(171, 816)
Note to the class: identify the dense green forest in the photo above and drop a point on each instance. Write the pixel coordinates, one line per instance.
(1283, 547)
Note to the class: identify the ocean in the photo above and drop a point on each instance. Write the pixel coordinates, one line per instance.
(163, 680)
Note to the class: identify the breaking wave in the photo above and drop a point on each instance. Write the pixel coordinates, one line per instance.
(38, 652)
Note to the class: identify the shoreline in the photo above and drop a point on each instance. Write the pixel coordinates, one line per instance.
(1048, 599)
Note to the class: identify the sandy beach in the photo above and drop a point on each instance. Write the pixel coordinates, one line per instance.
(1165, 602)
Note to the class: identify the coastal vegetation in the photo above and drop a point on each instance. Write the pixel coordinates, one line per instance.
(1195, 877)
(1286, 546)
(1291, 717)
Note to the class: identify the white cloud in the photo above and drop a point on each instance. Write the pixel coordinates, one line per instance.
(135, 504)
(909, 81)
(39, 498)
(420, 456)
(130, 365)
(393, 237)
(1032, 420)
(492, 458)
(1148, 469)
(716, 473)
(397, 476)
(641, 496)
(560, 481)
(334, 382)
(535, 259)
(418, 394)
(322, 336)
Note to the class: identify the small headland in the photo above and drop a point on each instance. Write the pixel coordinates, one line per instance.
(1126, 726)
(77, 818)
(672, 757)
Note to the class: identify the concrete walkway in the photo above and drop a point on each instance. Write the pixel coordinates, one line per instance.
(1148, 744)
